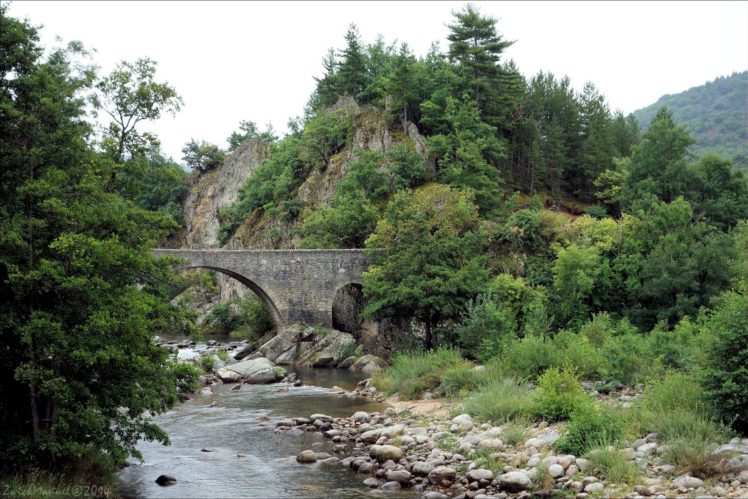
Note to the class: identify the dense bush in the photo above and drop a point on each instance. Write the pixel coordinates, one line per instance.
(559, 394)
(591, 426)
(487, 328)
(725, 375)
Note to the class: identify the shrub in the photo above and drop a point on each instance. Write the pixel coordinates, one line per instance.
(487, 328)
(559, 394)
(501, 401)
(591, 425)
(628, 360)
(676, 408)
(725, 373)
(576, 350)
(206, 362)
(187, 376)
(529, 357)
(694, 456)
(459, 379)
(614, 465)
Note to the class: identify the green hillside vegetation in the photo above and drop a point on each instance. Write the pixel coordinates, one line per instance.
(716, 113)
(539, 231)
(539, 234)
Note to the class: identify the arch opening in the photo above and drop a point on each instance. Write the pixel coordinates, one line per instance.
(347, 308)
(257, 290)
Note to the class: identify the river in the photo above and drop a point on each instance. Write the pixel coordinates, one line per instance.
(248, 458)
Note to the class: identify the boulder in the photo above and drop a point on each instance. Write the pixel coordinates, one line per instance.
(687, 482)
(514, 481)
(492, 444)
(228, 376)
(360, 417)
(543, 440)
(442, 476)
(347, 362)
(165, 480)
(739, 463)
(307, 456)
(401, 476)
(462, 423)
(368, 364)
(556, 470)
(385, 452)
(422, 468)
(479, 474)
(257, 371)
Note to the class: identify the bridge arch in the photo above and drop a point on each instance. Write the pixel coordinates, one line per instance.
(295, 285)
(347, 307)
(257, 290)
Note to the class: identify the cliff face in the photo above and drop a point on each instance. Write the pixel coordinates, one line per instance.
(372, 132)
(215, 190)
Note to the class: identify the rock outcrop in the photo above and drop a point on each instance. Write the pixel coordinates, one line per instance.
(305, 346)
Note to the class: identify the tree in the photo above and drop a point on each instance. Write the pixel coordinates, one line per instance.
(476, 47)
(129, 95)
(657, 168)
(248, 131)
(424, 257)
(202, 156)
(400, 82)
(351, 73)
(575, 273)
(725, 370)
(82, 295)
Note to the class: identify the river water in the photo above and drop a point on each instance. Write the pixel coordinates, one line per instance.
(248, 458)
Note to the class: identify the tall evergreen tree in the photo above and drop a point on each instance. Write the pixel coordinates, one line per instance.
(476, 47)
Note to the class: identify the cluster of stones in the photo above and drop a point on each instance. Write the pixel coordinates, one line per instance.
(399, 450)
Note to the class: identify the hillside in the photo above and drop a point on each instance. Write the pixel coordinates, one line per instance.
(716, 113)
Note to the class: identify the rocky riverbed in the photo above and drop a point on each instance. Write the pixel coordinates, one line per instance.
(418, 446)
(428, 448)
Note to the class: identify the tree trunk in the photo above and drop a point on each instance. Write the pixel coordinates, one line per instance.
(429, 342)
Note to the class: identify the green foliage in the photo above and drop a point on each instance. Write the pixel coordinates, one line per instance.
(186, 375)
(591, 425)
(713, 112)
(486, 328)
(424, 257)
(411, 374)
(502, 401)
(82, 293)
(559, 394)
(725, 373)
(694, 456)
(130, 95)
(202, 157)
(206, 362)
(614, 465)
(516, 432)
(529, 357)
(248, 131)
(575, 272)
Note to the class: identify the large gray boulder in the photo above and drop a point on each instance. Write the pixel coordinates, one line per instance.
(304, 345)
(514, 481)
(257, 371)
(368, 364)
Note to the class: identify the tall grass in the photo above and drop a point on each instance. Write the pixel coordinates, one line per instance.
(501, 401)
(413, 373)
(613, 464)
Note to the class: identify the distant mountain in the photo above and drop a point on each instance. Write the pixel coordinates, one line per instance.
(716, 113)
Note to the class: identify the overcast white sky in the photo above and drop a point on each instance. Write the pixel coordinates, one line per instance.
(234, 61)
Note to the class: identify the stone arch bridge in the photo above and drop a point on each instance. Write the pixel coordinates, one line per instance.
(294, 285)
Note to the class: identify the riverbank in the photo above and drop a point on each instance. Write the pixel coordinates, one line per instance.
(424, 447)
